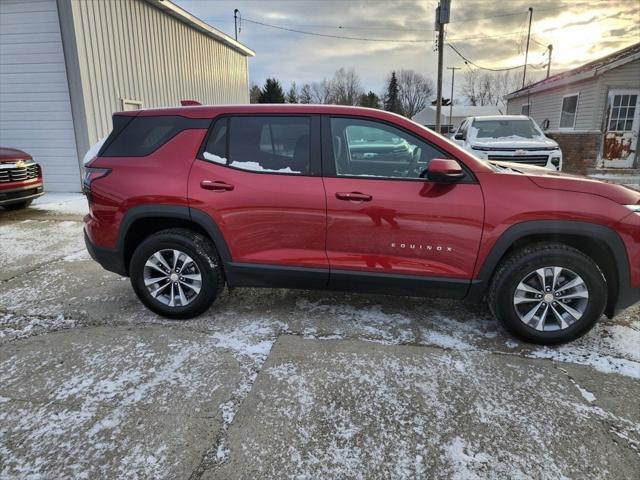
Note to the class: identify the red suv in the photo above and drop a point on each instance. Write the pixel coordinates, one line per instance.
(20, 179)
(184, 200)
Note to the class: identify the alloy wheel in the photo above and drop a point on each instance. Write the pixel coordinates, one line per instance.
(172, 277)
(551, 298)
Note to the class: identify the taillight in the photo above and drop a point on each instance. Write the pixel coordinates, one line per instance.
(90, 175)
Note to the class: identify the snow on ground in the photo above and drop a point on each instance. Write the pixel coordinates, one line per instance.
(342, 410)
(102, 408)
(62, 203)
(17, 326)
(71, 291)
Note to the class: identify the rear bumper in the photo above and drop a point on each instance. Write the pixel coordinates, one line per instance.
(21, 194)
(109, 259)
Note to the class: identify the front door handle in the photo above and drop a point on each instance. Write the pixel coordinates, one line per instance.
(216, 186)
(353, 196)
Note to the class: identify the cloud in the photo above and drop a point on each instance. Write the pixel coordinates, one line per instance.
(486, 31)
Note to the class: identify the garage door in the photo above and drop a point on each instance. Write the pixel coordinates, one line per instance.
(35, 111)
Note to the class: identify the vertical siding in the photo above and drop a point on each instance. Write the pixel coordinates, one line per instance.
(132, 50)
(35, 113)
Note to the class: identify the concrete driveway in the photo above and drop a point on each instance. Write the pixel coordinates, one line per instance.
(289, 384)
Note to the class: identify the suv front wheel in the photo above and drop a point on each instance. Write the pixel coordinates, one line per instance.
(176, 273)
(548, 293)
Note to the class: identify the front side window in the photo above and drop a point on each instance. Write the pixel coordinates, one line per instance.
(367, 148)
(270, 144)
(569, 109)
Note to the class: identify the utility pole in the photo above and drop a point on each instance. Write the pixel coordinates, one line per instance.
(550, 48)
(442, 18)
(526, 55)
(235, 21)
(453, 77)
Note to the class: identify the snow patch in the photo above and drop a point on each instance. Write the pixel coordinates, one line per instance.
(215, 158)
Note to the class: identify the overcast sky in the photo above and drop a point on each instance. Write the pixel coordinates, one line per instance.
(491, 33)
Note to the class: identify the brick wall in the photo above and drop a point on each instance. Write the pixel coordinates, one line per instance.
(579, 150)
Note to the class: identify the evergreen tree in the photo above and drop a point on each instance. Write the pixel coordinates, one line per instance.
(370, 100)
(292, 95)
(271, 92)
(391, 100)
(254, 94)
(305, 94)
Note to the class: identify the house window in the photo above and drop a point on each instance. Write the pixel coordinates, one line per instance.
(569, 109)
(622, 113)
(524, 109)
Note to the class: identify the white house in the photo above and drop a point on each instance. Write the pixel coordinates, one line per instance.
(427, 116)
(592, 111)
(67, 65)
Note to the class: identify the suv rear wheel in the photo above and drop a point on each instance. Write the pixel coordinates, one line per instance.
(548, 293)
(176, 273)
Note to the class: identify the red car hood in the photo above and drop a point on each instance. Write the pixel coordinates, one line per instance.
(545, 178)
(12, 154)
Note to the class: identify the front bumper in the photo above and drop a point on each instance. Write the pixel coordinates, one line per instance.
(21, 194)
(109, 259)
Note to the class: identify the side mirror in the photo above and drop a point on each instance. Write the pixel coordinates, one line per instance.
(459, 136)
(444, 170)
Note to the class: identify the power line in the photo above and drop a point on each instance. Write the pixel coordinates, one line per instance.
(505, 69)
(316, 34)
(365, 39)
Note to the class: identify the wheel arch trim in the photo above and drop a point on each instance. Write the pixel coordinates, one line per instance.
(178, 212)
(606, 235)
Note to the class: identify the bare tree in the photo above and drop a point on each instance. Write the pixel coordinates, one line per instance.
(489, 88)
(345, 87)
(414, 91)
(321, 91)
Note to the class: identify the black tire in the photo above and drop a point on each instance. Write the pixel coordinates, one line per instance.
(18, 205)
(203, 253)
(517, 266)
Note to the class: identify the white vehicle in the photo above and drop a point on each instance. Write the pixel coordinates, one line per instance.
(508, 138)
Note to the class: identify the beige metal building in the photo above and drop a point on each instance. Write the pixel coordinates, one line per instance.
(67, 65)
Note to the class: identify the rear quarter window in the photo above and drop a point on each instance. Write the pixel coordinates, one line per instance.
(141, 136)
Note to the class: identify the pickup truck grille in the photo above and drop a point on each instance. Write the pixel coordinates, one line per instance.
(539, 160)
(19, 174)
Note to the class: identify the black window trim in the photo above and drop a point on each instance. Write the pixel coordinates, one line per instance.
(328, 163)
(196, 124)
(315, 157)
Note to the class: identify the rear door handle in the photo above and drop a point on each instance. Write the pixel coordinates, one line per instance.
(216, 186)
(353, 196)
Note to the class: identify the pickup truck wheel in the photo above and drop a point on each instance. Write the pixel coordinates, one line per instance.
(176, 273)
(18, 205)
(548, 293)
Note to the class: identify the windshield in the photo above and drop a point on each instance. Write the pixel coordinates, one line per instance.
(505, 128)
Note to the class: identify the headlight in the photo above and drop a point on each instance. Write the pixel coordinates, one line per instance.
(634, 208)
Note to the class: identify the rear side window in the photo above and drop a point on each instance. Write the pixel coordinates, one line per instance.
(141, 136)
(278, 144)
(216, 148)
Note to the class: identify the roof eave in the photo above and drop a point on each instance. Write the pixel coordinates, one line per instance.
(593, 72)
(194, 22)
